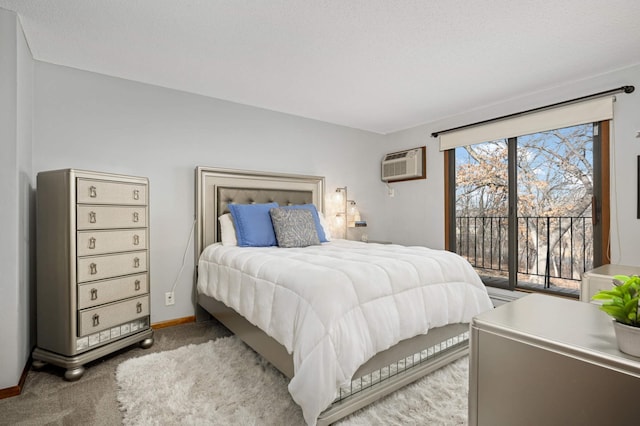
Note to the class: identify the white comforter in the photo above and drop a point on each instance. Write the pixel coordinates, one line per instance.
(336, 305)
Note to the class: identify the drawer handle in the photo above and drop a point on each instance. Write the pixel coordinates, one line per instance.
(136, 285)
(94, 294)
(138, 307)
(92, 243)
(136, 217)
(92, 217)
(96, 320)
(92, 192)
(136, 240)
(136, 194)
(93, 269)
(136, 262)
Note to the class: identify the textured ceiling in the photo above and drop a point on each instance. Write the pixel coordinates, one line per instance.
(375, 65)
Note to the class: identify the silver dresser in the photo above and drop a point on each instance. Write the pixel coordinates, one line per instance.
(92, 267)
(545, 360)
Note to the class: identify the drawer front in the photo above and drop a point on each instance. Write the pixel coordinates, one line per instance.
(103, 192)
(107, 291)
(101, 242)
(99, 267)
(103, 217)
(98, 319)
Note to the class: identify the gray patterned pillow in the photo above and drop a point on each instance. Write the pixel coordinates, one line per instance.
(294, 228)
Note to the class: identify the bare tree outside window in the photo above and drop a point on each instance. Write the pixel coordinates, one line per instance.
(554, 200)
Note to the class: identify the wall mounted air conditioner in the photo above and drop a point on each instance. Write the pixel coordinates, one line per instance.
(405, 165)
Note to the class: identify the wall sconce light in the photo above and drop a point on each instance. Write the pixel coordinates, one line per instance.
(340, 198)
(353, 214)
(345, 216)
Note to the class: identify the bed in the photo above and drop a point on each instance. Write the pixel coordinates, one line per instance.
(332, 334)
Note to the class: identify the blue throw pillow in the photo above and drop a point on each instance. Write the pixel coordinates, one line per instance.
(316, 218)
(253, 224)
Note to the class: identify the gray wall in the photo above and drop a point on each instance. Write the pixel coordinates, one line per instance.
(422, 202)
(16, 189)
(89, 121)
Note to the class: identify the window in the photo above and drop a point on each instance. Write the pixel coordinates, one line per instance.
(531, 211)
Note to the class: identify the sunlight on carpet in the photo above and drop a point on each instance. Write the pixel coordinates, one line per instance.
(224, 382)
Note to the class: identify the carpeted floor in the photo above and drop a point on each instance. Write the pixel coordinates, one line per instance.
(47, 399)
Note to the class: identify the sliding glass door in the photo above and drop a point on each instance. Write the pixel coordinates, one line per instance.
(524, 210)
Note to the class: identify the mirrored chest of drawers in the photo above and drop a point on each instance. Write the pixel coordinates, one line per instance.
(92, 267)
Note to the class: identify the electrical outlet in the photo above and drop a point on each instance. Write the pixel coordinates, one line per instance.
(391, 192)
(169, 298)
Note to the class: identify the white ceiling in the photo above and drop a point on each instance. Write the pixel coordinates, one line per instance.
(377, 65)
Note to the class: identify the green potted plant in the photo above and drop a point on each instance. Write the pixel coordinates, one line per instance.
(621, 303)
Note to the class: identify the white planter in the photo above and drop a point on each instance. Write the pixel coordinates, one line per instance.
(628, 338)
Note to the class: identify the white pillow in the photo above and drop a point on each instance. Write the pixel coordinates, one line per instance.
(325, 226)
(227, 230)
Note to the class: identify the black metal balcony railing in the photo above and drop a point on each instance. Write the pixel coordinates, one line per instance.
(550, 249)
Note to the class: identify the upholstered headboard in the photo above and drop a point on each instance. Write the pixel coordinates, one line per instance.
(227, 195)
(217, 188)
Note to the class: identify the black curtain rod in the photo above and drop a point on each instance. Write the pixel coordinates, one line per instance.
(625, 89)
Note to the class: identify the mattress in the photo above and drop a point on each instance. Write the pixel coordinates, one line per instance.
(333, 306)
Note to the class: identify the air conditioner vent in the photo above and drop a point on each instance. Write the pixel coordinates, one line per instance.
(395, 156)
(404, 165)
(394, 168)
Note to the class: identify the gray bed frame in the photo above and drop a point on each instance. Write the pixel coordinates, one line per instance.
(215, 189)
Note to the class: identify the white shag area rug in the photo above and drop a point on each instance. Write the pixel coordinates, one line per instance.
(223, 382)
